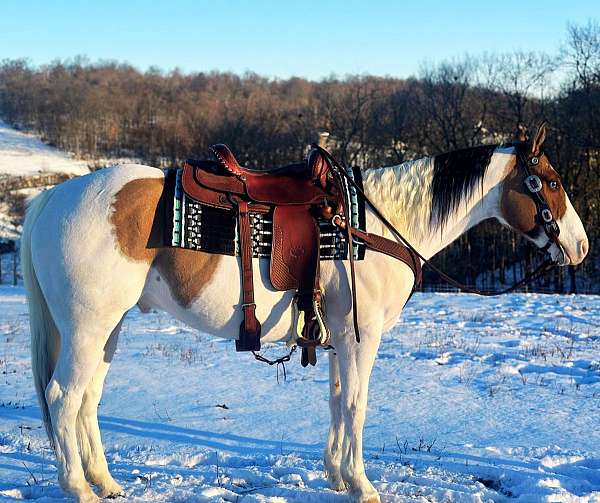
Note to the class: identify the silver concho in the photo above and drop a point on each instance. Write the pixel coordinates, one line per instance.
(547, 215)
(533, 183)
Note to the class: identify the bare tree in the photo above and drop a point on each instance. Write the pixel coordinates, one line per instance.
(520, 77)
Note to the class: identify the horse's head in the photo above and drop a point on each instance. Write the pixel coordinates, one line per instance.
(535, 204)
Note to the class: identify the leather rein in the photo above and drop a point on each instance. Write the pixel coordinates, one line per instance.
(544, 216)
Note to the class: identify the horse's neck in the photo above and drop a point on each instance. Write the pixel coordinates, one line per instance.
(403, 194)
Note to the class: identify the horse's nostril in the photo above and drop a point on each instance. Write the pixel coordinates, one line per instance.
(583, 247)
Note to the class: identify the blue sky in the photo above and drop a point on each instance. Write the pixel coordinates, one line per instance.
(279, 39)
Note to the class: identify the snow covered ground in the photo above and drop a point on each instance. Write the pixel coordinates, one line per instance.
(25, 154)
(472, 400)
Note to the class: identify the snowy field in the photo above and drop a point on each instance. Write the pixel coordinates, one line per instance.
(25, 154)
(471, 399)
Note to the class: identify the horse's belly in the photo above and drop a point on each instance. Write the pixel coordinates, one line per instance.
(216, 309)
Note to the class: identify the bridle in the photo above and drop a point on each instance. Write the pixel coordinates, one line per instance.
(544, 216)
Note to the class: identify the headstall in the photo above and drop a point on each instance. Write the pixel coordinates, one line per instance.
(544, 216)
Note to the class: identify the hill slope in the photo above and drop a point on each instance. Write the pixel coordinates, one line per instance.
(25, 154)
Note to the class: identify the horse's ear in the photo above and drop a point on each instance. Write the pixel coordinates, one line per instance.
(540, 137)
(521, 133)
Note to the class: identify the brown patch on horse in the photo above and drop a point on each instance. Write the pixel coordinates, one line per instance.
(137, 220)
(517, 205)
(186, 271)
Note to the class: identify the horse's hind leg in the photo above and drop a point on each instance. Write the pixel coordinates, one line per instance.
(82, 350)
(94, 462)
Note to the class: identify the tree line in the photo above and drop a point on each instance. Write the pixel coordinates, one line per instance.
(110, 109)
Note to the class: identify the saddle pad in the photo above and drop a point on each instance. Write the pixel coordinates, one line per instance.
(196, 226)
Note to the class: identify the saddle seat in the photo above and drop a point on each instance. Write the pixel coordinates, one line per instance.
(305, 183)
(314, 168)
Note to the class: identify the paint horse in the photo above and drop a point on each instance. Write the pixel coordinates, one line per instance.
(86, 263)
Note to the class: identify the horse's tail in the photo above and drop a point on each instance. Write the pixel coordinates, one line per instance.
(45, 338)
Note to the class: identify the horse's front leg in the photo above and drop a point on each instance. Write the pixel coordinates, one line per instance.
(333, 449)
(355, 363)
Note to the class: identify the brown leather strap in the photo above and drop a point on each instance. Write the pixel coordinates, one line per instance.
(350, 240)
(392, 249)
(226, 158)
(309, 356)
(319, 167)
(249, 339)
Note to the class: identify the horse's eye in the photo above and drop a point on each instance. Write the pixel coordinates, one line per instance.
(553, 184)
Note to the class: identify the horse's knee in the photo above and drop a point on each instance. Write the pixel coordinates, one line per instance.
(354, 412)
(335, 394)
(63, 404)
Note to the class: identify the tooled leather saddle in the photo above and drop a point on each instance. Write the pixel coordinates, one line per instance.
(296, 196)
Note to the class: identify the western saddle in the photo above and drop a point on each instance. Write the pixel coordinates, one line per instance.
(297, 196)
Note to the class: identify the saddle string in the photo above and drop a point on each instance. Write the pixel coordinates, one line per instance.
(543, 268)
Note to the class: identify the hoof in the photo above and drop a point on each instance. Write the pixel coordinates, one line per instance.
(113, 493)
(333, 474)
(87, 497)
(370, 497)
(336, 483)
(113, 496)
(82, 492)
(111, 490)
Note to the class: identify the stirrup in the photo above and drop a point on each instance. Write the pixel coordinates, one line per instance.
(313, 332)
